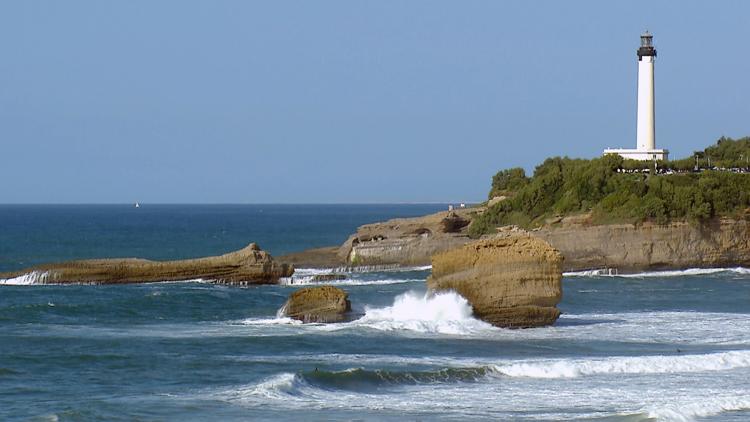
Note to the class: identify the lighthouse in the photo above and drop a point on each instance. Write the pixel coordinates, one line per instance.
(645, 129)
(645, 117)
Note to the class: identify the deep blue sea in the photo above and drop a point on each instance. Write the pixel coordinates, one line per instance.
(663, 346)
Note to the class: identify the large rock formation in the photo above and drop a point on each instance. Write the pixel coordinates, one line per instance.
(628, 247)
(718, 242)
(317, 304)
(246, 266)
(513, 280)
(406, 241)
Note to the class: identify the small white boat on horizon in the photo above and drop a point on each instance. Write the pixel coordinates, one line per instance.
(137, 205)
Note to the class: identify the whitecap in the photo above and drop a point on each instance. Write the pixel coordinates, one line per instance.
(687, 412)
(442, 313)
(274, 387)
(34, 277)
(279, 320)
(612, 272)
(386, 268)
(574, 368)
(310, 281)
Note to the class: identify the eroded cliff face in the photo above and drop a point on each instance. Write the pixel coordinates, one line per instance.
(249, 265)
(511, 281)
(406, 241)
(627, 247)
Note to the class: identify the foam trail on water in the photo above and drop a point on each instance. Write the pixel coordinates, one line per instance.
(34, 277)
(386, 268)
(574, 368)
(309, 281)
(612, 272)
(444, 313)
(688, 412)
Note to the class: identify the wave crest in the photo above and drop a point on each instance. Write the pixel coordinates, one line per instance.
(612, 272)
(34, 277)
(443, 313)
(574, 368)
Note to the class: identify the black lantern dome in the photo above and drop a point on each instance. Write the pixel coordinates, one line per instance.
(647, 46)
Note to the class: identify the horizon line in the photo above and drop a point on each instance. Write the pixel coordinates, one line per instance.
(242, 203)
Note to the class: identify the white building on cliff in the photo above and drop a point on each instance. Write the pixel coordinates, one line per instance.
(645, 132)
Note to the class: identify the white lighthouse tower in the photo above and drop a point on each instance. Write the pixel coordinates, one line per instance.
(645, 127)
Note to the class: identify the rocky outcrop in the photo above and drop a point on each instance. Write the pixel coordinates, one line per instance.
(246, 266)
(406, 241)
(315, 258)
(317, 304)
(648, 246)
(513, 280)
(624, 247)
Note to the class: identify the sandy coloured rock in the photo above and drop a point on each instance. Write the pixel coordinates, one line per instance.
(717, 242)
(246, 266)
(512, 280)
(317, 304)
(406, 241)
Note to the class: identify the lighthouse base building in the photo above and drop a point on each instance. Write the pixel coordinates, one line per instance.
(639, 154)
(646, 128)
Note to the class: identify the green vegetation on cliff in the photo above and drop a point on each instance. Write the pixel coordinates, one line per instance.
(617, 190)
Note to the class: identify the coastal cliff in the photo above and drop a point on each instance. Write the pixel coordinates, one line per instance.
(406, 241)
(714, 242)
(511, 281)
(718, 242)
(246, 266)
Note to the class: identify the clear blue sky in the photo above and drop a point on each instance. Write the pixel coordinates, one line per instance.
(344, 101)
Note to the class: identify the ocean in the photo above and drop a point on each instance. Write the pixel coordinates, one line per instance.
(656, 346)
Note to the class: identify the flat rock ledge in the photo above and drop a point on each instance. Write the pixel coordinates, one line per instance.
(511, 281)
(320, 304)
(247, 266)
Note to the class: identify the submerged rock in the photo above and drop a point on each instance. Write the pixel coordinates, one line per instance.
(246, 266)
(317, 304)
(512, 280)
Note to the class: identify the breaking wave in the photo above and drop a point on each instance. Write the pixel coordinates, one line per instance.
(443, 313)
(34, 277)
(308, 276)
(612, 272)
(363, 379)
(574, 368)
(310, 281)
(309, 387)
(687, 412)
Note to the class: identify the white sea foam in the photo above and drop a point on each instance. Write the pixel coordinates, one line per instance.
(573, 368)
(275, 387)
(443, 313)
(43, 277)
(309, 281)
(668, 397)
(688, 411)
(34, 277)
(362, 269)
(279, 320)
(612, 272)
(707, 328)
(306, 276)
